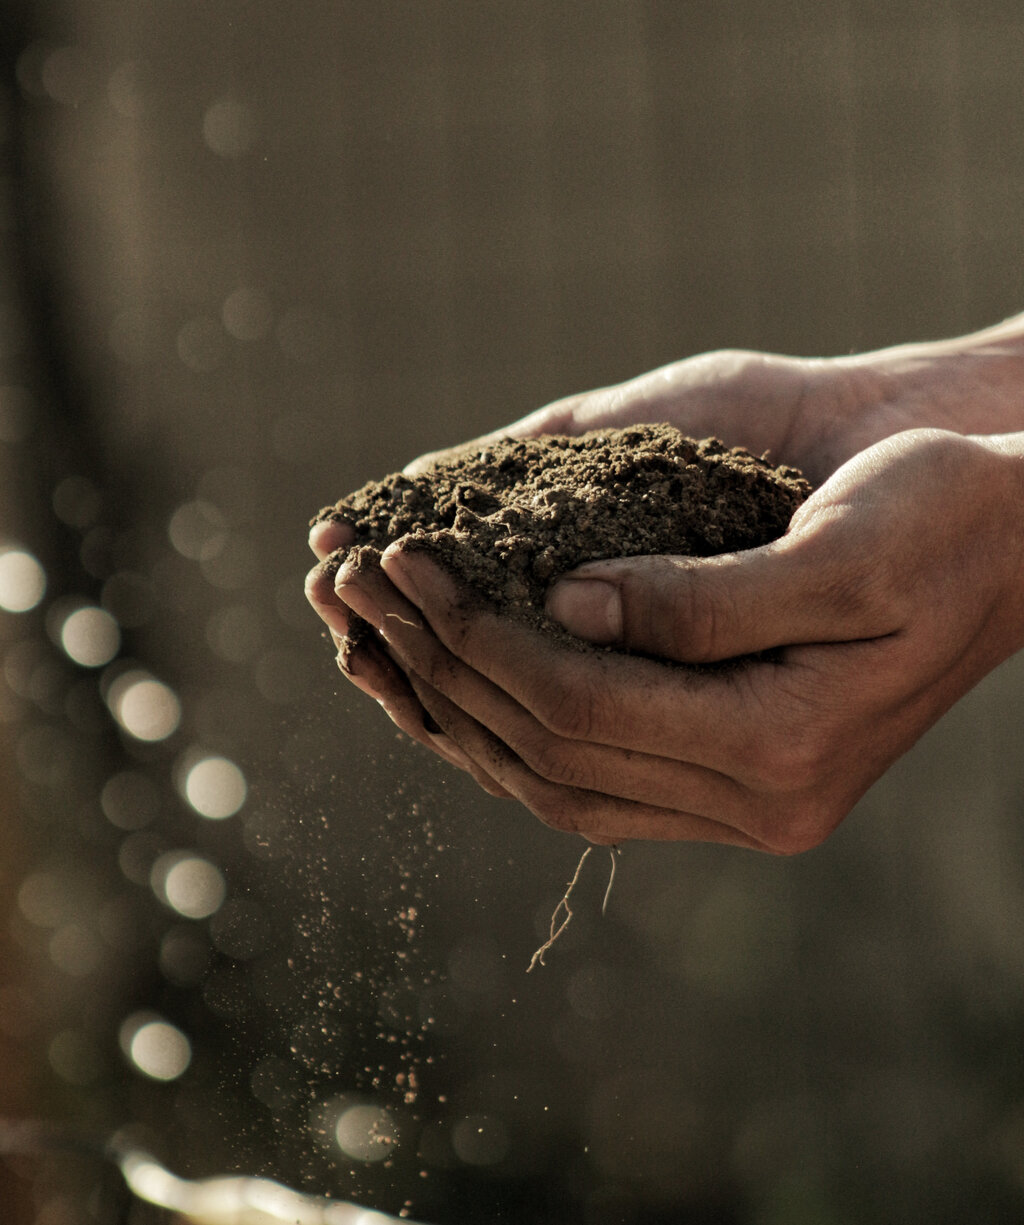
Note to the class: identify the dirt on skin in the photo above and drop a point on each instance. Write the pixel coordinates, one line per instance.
(508, 519)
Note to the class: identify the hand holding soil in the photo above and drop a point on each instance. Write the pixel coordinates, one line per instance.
(897, 587)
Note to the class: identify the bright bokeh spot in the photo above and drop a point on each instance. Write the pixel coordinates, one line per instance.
(146, 708)
(366, 1133)
(215, 787)
(157, 1048)
(91, 637)
(189, 884)
(22, 580)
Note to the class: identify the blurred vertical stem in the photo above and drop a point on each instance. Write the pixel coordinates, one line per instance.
(61, 438)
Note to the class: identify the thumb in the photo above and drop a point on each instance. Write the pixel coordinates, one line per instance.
(697, 610)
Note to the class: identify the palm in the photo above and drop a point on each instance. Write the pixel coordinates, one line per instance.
(803, 412)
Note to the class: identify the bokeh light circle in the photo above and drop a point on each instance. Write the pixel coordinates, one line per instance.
(189, 884)
(366, 1133)
(146, 708)
(197, 530)
(229, 127)
(90, 636)
(155, 1047)
(22, 581)
(247, 314)
(215, 787)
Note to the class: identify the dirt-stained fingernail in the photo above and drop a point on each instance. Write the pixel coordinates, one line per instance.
(588, 608)
(396, 568)
(355, 598)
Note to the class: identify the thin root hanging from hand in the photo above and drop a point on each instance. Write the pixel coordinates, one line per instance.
(563, 906)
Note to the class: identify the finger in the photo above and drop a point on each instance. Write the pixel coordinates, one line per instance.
(388, 682)
(326, 536)
(780, 730)
(369, 669)
(639, 776)
(698, 610)
(321, 595)
(572, 809)
(710, 719)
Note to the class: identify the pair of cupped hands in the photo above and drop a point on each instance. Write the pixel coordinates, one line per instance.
(898, 585)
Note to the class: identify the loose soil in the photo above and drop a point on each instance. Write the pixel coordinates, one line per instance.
(508, 519)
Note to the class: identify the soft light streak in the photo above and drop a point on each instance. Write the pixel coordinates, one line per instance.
(238, 1201)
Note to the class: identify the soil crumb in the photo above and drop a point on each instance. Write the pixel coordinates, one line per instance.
(508, 519)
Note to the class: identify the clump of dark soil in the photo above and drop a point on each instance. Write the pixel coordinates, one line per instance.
(510, 518)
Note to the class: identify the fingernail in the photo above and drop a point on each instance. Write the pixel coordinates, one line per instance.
(354, 597)
(394, 567)
(588, 608)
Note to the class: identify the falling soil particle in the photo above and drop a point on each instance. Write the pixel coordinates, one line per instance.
(511, 517)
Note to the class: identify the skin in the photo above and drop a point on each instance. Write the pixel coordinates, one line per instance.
(898, 586)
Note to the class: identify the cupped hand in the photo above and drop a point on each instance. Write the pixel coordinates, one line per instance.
(805, 412)
(815, 414)
(897, 587)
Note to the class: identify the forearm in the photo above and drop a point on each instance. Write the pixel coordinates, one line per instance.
(1010, 447)
(971, 384)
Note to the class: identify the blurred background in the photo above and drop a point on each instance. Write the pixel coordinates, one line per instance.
(255, 254)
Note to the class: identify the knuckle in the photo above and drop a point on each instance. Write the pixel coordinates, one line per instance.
(554, 809)
(567, 710)
(801, 765)
(555, 760)
(868, 594)
(866, 589)
(800, 826)
(784, 768)
(455, 631)
(697, 610)
(438, 670)
(695, 616)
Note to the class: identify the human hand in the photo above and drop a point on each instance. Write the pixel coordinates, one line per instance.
(757, 400)
(812, 413)
(887, 599)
